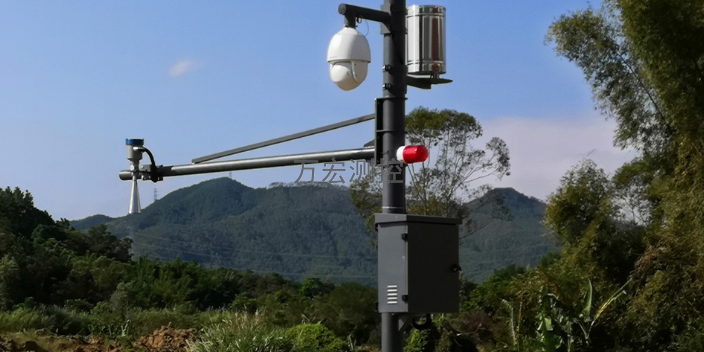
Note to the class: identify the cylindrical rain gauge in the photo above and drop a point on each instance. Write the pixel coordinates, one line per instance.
(425, 42)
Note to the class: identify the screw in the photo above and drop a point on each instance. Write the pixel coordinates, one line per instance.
(386, 85)
(386, 68)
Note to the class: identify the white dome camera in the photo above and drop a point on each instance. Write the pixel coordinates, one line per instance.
(349, 56)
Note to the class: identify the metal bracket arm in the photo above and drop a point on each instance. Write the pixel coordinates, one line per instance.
(256, 163)
(425, 82)
(352, 13)
(284, 139)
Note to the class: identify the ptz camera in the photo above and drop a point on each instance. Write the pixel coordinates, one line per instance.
(349, 56)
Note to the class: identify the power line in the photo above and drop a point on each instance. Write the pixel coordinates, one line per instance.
(259, 270)
(259, 252)
(218, 256)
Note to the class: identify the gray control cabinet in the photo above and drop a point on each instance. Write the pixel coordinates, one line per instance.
(418, 264)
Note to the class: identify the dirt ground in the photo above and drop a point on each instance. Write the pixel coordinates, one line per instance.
(167, 339)
(8, 345)
(164, 339)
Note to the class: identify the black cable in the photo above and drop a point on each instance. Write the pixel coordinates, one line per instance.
(153, 170)
(421, 325)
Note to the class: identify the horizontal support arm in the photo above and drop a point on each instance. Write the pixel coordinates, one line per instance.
(258, 163)
(352, 12)
(425, 82)
(290, 137)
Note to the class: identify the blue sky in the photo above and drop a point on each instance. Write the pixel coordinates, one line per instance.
(194, 78)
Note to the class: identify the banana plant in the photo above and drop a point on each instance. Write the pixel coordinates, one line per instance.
(556, 322)
(586, 322)
(511, 322)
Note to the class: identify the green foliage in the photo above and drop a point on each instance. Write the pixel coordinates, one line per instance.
(243, 303)
(500, 243)
(21, 319)
(440, 187)
(303, 230)
(283, 308)
(349, 310)
(583, 191)
(314, 231)
(313, 338)
(563, 328)
(643, 59)
(423, 340)
(489, 295)
(595, 41)
(313, 287)
(585, 214)
(242, 332)
(18, 215)
(443, 188)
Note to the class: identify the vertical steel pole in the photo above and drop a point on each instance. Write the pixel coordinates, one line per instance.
(394, 136)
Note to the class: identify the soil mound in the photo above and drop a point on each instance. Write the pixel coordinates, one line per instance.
(167, 339)
(7, 345)
(94, 344)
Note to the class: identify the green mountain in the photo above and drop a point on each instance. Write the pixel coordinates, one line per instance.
(521, 241)
(304, 231)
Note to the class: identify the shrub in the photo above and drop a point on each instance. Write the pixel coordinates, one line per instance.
(21, 319)
(313, 338)
(243, 303)
(243, 332)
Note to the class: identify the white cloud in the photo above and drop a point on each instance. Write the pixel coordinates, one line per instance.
(181, 67)
(543, 150)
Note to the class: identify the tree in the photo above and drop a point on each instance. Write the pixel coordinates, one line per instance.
(18, 214)
(313, 287)
(595, 41)
(349, 309)
(644, 60)
(441, 186)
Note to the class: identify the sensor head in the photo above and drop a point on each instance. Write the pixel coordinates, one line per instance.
(349, 57)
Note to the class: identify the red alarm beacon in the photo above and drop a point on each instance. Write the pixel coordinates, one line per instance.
(412, 154)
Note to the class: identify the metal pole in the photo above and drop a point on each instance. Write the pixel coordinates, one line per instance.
(391, 337)
(393, 199)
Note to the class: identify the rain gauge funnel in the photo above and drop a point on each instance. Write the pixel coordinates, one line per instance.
(425, 41)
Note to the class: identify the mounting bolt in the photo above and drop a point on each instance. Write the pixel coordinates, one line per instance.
(404, 236)
(386, 68)
(455, 268)
(404, 298)
(386, 85)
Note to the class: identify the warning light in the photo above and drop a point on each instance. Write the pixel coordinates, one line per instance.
(412, 154)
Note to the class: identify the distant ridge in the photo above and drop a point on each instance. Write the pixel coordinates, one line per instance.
(94, 220)
(303, 231)
(521, 241)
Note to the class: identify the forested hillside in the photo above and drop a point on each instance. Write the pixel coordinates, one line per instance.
(522, 240)
(305, 231)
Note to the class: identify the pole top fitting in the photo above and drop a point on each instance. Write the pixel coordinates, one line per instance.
(350, 17)
(134, 142)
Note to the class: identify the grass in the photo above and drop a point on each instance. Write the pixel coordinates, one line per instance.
(242, 332)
